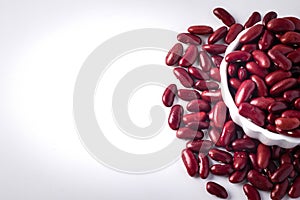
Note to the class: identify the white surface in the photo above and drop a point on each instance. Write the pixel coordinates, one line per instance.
(43, 45)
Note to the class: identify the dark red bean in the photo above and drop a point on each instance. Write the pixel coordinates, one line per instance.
(282, 86)
(242, 73)
(187, 133)
(296, 22)
(235, 83)
(249, 47)
(233, 31)
(188, 95)
(223, 15)
(214, 48)
(277, 76)
(206, 85)
(232, 69)
(297, 104)
(189, 56)
(290, 38)
(217, 35)
(266, 40)
(294, 56)
(228, 133)
(285, 158)
(280, 25)
(294, 191)
(238, 56)
(277, 107)
(253, 113)
(220, 155)
(169, 95)
(252, 33)
(200, 29)
(221, 169)
(243, 144)
(175, 117)
(280, 60)
(253, 68)
(220, 114)
(215, 74)
(263, 155)
(199, 145)
(251, 192)
(280, 190)
(269, 16)
(253, 19)
(262, 102)
(198, 73)
(214, 134)
(212, 96)
(291, 114)
(194, 117)
(190, 162)
(261, 88)
(198, 125)
(240, 160)
(188, 38)
(276, 152)
(284, 49)
(259, 181)
(253, 160)
(205, 61)
(287, 124)
(174, 54)
(216, 189)
(291, 95)
(203, 165)
(282, 173)
(271, 118)
(239, 175)
(197, 105)
(244, 92)
(217, 59)
(184, 78)
(261, 59)
(293, 133)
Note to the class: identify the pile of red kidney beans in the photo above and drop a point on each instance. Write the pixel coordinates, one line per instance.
(263, 78)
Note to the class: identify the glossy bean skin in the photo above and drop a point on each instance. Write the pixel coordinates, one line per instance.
(242, 73)
(280, 25)
(174, 54)
(279, 190)
(243, 144)
(291, 95)
(249, 47)
(290, 38)
(190, 162)
(205, 61)
(291, 114)
(277, 107)
(189, 56)
(282, 86)
(233, 31)
(253, 113)
(214, 134)
(221, 169)
(263, 155)
(277, 76)
(259, 181)
(271, 119)
(169, 95)
(261, 59)
(253, 160)
(294, 191)
(254, 68)
(262, 102)
(251, 192)
(187, 133)
(240, 160)
(224, 16)
(206, 85)
(287, 124)
(197, 125)
(203, 165)
(232, 69)
(244, 92)
(294, 56)
(214, 74)
(188, 38)
(235, 83)
(197, 146)
(212, 96)
(184, 78)
(296, 22)
(214, 48)
(175, 117)
(217, 35)
(261, 87)
(239, 175)
(200, 29)
(238, 56)
(253, 33)
(220, 155)
(284, 49)
(198, 73)
(280, 60)
(282, 173)
(217, 59)
(216, 189)
(194, 117)
(228, 133)
(220, 113)
(253, 19)
(188, 95)
(266, 40)
(197, 105)
(297, 104)
(269, 16)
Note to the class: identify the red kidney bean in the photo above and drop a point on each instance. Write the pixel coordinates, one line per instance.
(251, 192)
(271, 118)
(276, 76)
(217, 59)
(205, 61)
(220, 155)
(253, 113)
(169, 95)
(294, 191)
(282, 173)
(252, 33)
(271, 127)
(262, 102)
(187, 133)
(261, 87)
(243, 144)
(253, 19)
(183, 77)
(197, 105)
(206, 85)
(280, 25)
(285, 158)
(282, 86)
(174, 54)
(232, 69)
(221, 169)
(190, 162)
(194, 117)
(214, 48)
(277, 107)
(228, 133)
(203, 165)
(188, 38)
(296, 154)
(249, 47)
(198, 73)
(297, 104)
(214, 134)
(269, 16)
(216, 189)
(244, 92)
(280, 190)
(238, 56)
(215, 74)
(296, 22)
(175, 117)
(220, 113)
(291, 95)
(197, 146)
(198, 125)
(291, 114)
(235, 83)
(259, 181)
(242, 73)
(296, 164)
(217, 35)
(280, 60)
(240, 160)
(200, 29)
(189, 56)
(276, 152)
(223, 15)
(261, 59)
(284, 49)
(253, 68)
(266, 40)
(212, 96)
(287, 124)
(239, 175)
(253, 160)
(263, 155)
(233, 31)
(188, 95)
(294, 56)
(290, 38)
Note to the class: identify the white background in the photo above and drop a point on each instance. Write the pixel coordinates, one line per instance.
(42, 46)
